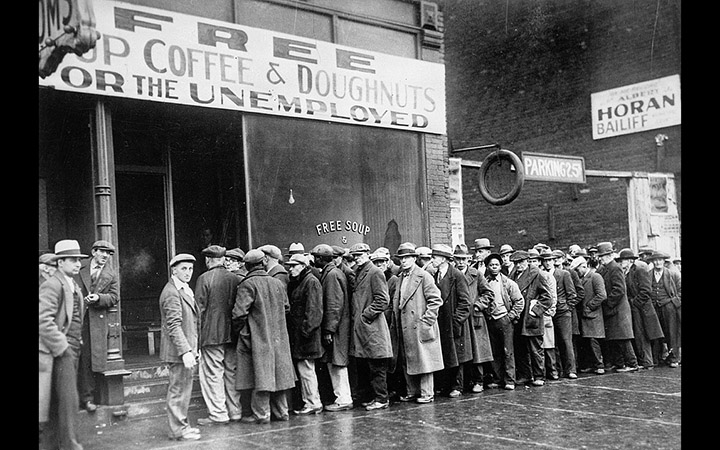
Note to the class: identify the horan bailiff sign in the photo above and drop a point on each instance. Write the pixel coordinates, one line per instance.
(559, 168)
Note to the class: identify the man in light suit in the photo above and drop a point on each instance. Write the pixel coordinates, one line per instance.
(99, 283)
(61, 316)
(179, 316)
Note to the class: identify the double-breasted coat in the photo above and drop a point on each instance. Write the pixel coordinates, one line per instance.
(415, 309)
(180, 324)
(106, 286)
(306, 314)
(264, 362)
(536, 291)
(480, 296)
(215, 291)
(453, 317)
(336, 314)
(590, 312)
(616, 309)
(639, 286)
(370, 335)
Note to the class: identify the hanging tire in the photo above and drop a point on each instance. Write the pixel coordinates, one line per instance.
(519, 177)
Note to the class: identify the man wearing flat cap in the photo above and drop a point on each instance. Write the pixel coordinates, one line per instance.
(234, 262)
(60, 334)
(592, 325)
(179, 344)
(264, 366)
(215, 295)
(98, 280)
(271, 263)
(666, 295)
(46, 267)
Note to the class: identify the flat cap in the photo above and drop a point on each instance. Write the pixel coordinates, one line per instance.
(270, 250)
(519, 256)
(235, 253)
(182, 257)
(380, 253)
(48, 259)
(298, 258)
(214, 251)
(254, 256)
(360, 247)
(103, 245)
(337, 250)
(323, 250)
(559, 254)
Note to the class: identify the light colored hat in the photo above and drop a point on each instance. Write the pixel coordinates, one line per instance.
(360, 247)
(380, 253)
(408, 249)
(546, 253)
(442, 250)
(322, 250)
(506, 248)
(270, 250)
(298, 258)
(296, 247)
(68, 248)
(255, 256)
(182, 257)
(573, 249)
(559, 253)
(48, 259)
(533, 253)
(577, 261)
(540, 246)
(423, 252)
(482, 243)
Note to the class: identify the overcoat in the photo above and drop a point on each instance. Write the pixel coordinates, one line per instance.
(280, 272)
(535, 289)
(580, 295)
(106, 286)
(336, 314)
(306, 314)
(215, 292)
(180, 324)
(264, 362)
(415, 308)
(480, 297)
(592, 324)
(566, 293)
(392, 281)
(616, 309)
(644, 317)
(453, 317)
(370, 336)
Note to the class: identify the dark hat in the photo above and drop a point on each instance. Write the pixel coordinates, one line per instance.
(645, 250)
(626, 253)
(442, 250)
(604, 248)
(461, 251)
(235, 253)
(482, 243)
(360, 247)
(533, 253)
(657, 255)
(48, 259)
(519, 256)
(214, 251)
(322, 250)
(103, 245)
(506, 248)
(677, 260)
(337, 250)
(182, 257)
(298, 258)
(406, 249)
(68, 248)
(270, 250)
(492, 256)
(255, 256)
(546, 253)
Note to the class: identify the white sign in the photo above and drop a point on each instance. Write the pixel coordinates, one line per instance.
(457, 223)
(559, 168)
(636, 107)
(158, 55)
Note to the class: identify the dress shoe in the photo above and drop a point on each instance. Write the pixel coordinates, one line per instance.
(247, 419)
(509, 387)
(538, 382)
(187, 436)
(626, 369)
(600, 371)
(493, 386)
(236, 418)
(588, 370)
(205, 421)
(90, 407)
(572, 376)
(477, 387)
(377, 405)
(454, 393)
(283, 418)
(554, 377)
(306, 411)
(408, 398)
(262, 421)
(425, 399)
(335, 407)
(674, 365)
(522, 381)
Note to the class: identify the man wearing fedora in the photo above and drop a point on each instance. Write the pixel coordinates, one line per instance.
(616, 313)
(482, 248)
(99, 283)
(415, 310)
(453, 316)
(60, 333)
(506, 252)
(646, 326)
(179, 339)
(666, 294)
(215, 293)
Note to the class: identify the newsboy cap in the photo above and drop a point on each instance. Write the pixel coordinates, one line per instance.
(519, 256)
(214, 251)
(337, 250)
(360, 247)
(235, 253)
(254, 256)
(182, 257)
(493, 256)
(380, 253)
(103, 245)
(577, 261)
(322, 250)
(48, 259)
(298, 258)
(270, 250)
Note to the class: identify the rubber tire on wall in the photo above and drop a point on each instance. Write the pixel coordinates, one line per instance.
(519, 177)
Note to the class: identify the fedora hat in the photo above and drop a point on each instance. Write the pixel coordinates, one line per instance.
(533, 253)
(559, 254)
(546, 253)
(298, 258)
(182, 257)
(214, 251)
(296, 247)
(577, 261)
(68, 248)
(103, 245)
(381, 253)
(482, 243)
(442, 250)
(573, 249)
(604, 248)
(423, 252)
(461, 251)
(626, 253)
(407, 249)
(506, 248)
(493, 256)
(656, 254)
(519, 256)
(540, 247)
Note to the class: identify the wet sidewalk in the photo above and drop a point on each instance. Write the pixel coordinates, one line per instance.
(640, 410)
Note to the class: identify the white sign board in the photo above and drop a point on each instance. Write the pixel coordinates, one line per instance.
(152, 54)
(636, 107)
(559, 168)
(457, 222)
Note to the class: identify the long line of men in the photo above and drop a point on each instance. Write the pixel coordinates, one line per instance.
(333, 328)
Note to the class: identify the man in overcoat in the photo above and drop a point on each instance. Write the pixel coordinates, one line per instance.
(60, 321)
(592, 326)
(616, 312)
(646, 326)
(370, 336)
(263, 346)
(273, 256)
(415, 310)
(215, 295)
(453, 318)
(99, 283)
(666, 294)
(46, 267)
(562, 320)
(179, 345)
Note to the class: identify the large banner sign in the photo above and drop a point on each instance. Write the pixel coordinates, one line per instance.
(151, 54)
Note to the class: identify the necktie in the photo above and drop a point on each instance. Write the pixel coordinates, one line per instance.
(95, 273)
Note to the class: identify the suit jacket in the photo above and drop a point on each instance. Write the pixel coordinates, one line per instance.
(616, 309)
(106, 286)
(370, 335)
(644, 316)
(215, 296)
(336, 314)
(536, 291)
(453, 317)
(180, 319)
